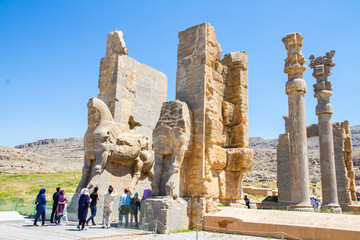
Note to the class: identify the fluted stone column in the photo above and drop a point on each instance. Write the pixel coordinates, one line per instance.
(296, 89)
(322, 69)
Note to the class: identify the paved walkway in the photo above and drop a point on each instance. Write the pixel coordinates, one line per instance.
(12, 231)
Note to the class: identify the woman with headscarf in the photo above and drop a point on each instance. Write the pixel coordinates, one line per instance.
(60, 206)
(247, 201)
(83, 206)
(40, 207)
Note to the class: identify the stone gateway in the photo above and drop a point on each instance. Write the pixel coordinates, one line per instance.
(118, 142)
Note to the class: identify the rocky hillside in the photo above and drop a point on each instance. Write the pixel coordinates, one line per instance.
(264, 163)
(48, 155)
(67, 155)
(61, 149)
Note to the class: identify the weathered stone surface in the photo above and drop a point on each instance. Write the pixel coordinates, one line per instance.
(322, 88)
(238, 59)
(295, 89)
(134, 92)
(239, 136)
(239, 159)
(232, 186)
(283, 170)
(104, 142)
(214, 130)
(217, 157)
(118, 146)
(115, 44)
(343, 163)
(216, 92)
(341, 172)
(228, 112)
(170, 213)
(190, 88)
(347, 153)
(312, 130)
(172, 138)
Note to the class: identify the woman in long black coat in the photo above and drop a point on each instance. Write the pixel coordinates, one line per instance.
(83, 207)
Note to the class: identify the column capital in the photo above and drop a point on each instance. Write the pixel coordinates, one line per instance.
(294, 64)
(322, 65)
(321, 71)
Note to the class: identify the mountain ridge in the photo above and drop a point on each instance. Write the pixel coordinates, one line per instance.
(68, 154)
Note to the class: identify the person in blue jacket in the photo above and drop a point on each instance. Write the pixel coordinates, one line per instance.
(83, 206)
(40, 207)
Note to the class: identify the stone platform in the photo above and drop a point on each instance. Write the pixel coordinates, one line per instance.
(293, 225)
(12, 231)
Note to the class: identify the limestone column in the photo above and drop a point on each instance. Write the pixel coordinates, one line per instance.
(322, 69)
(296, 89)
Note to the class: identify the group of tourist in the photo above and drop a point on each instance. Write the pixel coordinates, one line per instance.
(58, 210)
(127, 205)
(315, 203)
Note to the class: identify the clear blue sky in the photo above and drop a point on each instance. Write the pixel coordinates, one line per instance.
(50, 53)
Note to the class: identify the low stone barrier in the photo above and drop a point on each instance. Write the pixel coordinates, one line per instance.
(354, 208)
(258, 191)
(238, 226)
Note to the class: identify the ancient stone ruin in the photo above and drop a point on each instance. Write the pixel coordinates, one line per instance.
(118, 142)
(322, 88)
(201, 139)
(337, 175)
(345, 177)
(172, 139)
(216, 92)
(207, 168)
(296, 89)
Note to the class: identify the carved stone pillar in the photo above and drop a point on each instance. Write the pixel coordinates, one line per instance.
(322, 69)
(295, 89)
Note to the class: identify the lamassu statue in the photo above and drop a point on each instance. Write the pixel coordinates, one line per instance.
(105, 142)
(172, 138)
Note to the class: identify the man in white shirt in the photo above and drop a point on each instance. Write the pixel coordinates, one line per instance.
(108, 205)
(124, 207)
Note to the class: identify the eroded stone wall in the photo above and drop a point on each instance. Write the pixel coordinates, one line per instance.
(216, 92)
(283, 170)
(133, 91)
(347, 158)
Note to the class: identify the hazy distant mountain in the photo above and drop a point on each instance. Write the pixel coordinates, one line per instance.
(68, 154)
(48, 155)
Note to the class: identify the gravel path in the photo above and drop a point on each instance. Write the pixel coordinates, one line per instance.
(190, 236)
